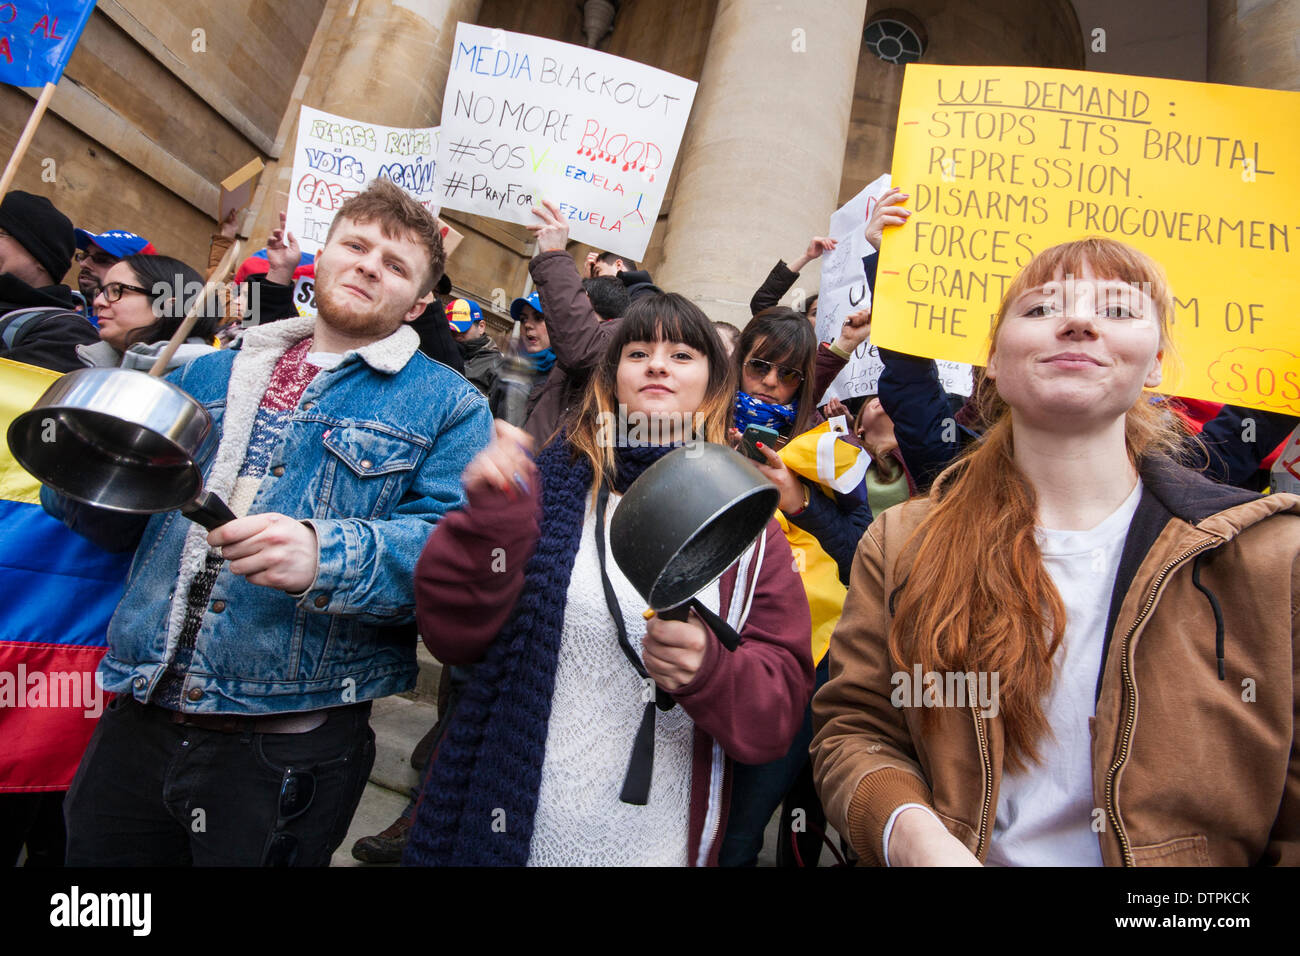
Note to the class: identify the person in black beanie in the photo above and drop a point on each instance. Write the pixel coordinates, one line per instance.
(38, 321)
(435, 335)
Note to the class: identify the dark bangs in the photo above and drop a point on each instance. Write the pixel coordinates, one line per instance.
(784, 337)
(779, 335)
(666, 318)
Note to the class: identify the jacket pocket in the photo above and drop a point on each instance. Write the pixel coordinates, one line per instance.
(368, 470)
(1179, 851)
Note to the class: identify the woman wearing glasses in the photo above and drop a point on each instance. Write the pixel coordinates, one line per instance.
(140, 304)
(776, 360)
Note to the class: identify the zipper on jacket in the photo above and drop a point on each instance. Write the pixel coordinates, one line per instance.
(1130, 695)
(986, 762)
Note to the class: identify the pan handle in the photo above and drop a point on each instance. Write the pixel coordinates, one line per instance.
(208, 510)
(723, 631)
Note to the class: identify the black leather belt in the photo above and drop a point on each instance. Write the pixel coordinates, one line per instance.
(300, 723)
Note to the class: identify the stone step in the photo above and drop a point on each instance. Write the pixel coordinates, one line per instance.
(379, 807)
(426, 684)
(399, 723)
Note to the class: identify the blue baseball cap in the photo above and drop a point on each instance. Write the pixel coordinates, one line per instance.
(533, 299)
(116, 242)
(462, 314)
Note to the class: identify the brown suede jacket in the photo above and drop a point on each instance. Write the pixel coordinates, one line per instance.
(1189, 768)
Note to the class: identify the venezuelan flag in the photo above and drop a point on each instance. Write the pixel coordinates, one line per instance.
(57, 592)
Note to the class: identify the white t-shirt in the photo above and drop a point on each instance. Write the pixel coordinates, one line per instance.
(1045, 814)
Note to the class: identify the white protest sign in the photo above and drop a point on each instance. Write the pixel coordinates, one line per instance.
(526, 119)
(844, 289)
(1286, 470)
(335, 157)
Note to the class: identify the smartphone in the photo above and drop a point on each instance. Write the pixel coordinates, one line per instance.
(752, 436)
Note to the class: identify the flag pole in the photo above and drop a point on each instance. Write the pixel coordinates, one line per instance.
(25, 140)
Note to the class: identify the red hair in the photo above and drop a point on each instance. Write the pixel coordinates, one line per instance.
(989, 604)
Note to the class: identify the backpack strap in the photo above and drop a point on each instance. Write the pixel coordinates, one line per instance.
(15, 325)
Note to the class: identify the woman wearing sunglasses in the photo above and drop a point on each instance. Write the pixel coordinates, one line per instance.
(139, 305)
(543, 761)
(777, 361)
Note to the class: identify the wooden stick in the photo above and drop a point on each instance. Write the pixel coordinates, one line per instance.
(218, 276)
(25, 140)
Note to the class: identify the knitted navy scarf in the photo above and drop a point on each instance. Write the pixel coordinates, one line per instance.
(480, 795)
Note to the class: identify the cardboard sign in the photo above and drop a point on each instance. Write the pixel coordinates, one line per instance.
(335, 157)
(237, 188)
(1004, 162)
(844, 290)
(526, 119)
(450, 238)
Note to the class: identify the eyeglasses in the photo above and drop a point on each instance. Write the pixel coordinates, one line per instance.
(98, 258)
(784, 374)
(113, 291)
(297, 790)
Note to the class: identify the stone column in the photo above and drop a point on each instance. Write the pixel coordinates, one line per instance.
(759, 172)
(383, 61)
(1255, 43)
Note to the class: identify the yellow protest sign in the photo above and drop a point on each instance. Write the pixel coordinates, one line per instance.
(1001, 163)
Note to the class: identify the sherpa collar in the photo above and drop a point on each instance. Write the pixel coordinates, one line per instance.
(388, 355)
(250, 374)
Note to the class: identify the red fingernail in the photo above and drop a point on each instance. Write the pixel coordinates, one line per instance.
(758, 444)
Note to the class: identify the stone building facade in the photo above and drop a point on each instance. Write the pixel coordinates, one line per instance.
(794, 114)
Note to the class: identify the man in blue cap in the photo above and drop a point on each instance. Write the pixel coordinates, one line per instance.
(99, 253)
(469, 330)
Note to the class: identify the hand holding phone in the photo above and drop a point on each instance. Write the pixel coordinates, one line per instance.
(752, 436)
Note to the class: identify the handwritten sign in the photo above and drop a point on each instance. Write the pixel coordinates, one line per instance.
(336, 157)
(1003, 162)
(37, 38)
(526, 119)
(844, 289)
(1286, 470)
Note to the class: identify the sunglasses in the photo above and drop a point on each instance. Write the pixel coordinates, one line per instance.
(297, 790)
(784, 374)
(98, 258)
(113, 291)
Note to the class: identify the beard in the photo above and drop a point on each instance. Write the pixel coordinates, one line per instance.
(357, 318)
(87, 283)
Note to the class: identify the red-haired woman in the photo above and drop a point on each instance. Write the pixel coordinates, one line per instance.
(1053, 659)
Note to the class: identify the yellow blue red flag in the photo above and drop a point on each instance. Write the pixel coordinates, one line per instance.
(57, 593)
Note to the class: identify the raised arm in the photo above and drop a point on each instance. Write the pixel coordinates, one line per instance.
(782, 277)
(578, 335)
(471, 571)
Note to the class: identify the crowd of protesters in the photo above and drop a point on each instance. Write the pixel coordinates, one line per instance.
(1103, 558)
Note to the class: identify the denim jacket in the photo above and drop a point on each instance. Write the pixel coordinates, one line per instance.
(371, 459)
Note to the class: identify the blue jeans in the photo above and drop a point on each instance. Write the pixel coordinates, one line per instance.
(758, 789)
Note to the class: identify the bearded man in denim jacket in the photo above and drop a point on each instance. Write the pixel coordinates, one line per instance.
(241, 733)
